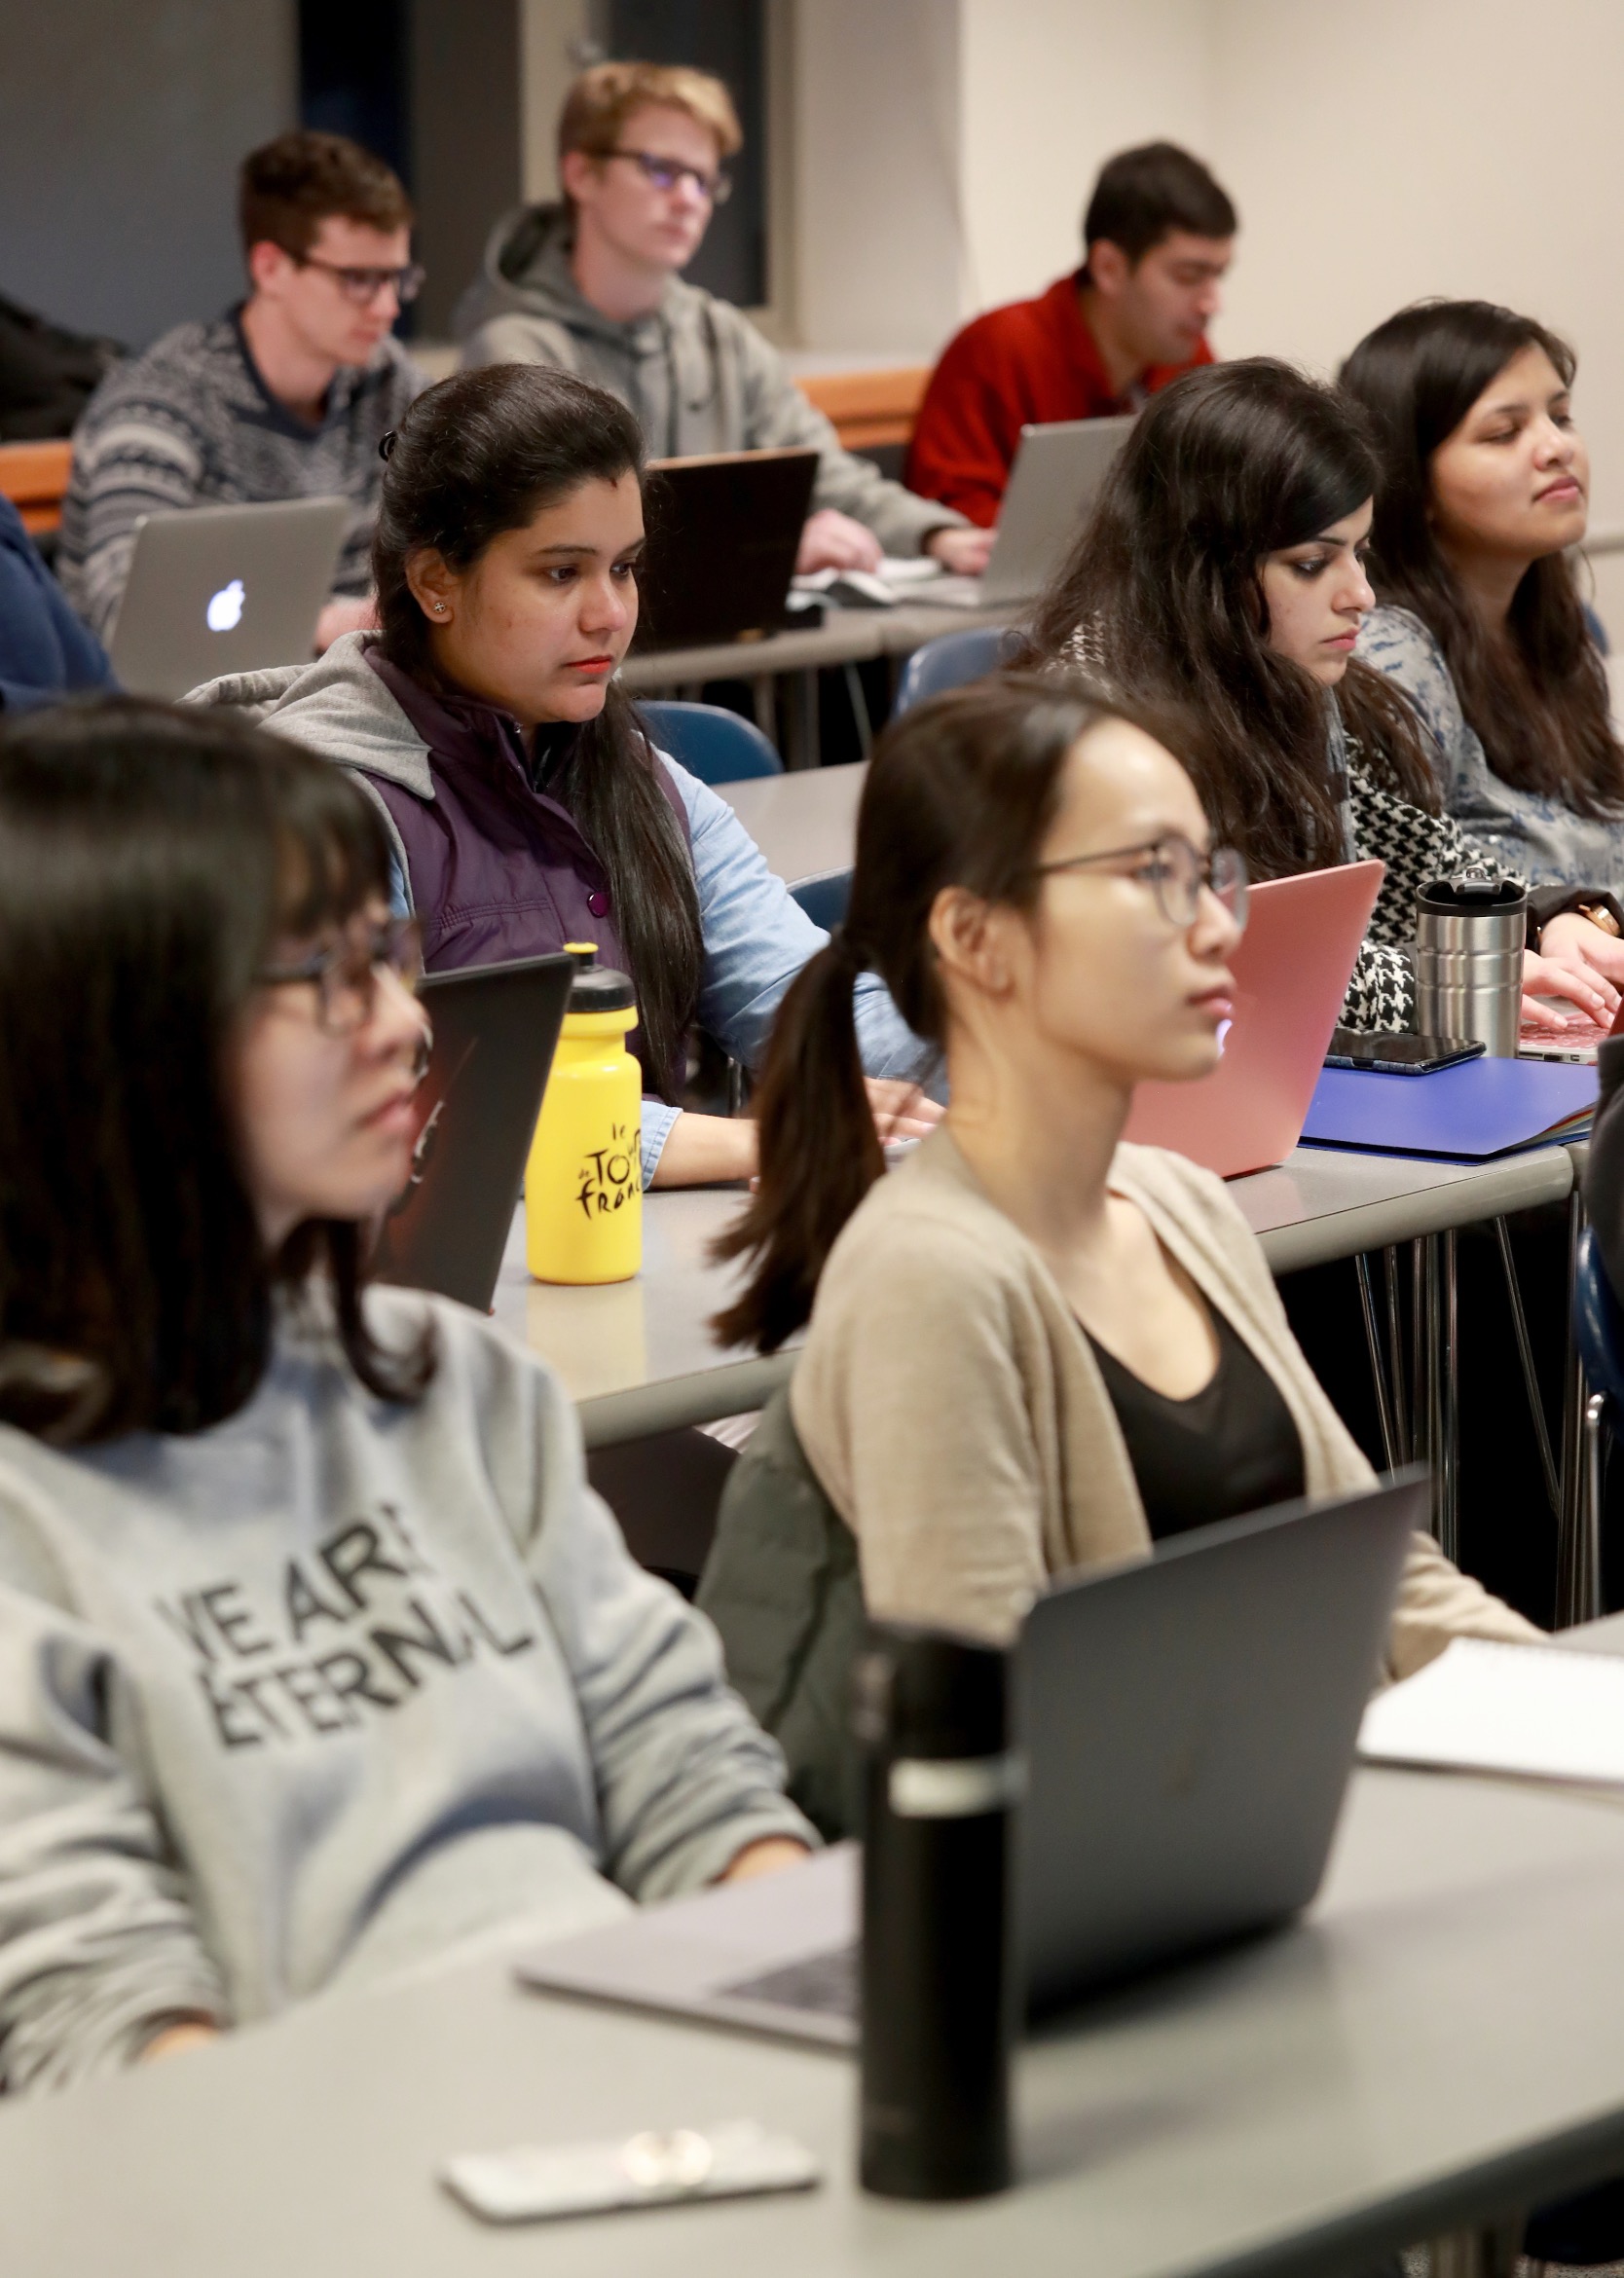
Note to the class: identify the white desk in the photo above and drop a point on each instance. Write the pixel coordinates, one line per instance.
(1441, 2043)
(804, 823)
(638, 1355)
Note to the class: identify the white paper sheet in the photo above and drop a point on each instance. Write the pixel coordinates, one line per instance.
(1529, 1709)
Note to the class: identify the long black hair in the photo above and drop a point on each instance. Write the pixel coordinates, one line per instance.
(1224, 468)
(149, 861)
(962, 792)
(1540, 700)
(485, 452)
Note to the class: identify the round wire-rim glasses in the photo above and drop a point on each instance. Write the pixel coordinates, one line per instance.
(1176, 871)
(345, 972)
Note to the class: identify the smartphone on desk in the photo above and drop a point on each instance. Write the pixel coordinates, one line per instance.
(1398, 1055)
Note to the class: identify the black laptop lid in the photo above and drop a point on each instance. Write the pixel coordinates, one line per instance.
(1191, 1722)
(496, 1027)
(723, 533)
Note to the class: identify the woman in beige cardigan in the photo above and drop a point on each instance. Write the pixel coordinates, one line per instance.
(1033, 1348)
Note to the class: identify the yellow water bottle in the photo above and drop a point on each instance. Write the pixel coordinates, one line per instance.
(584, 1189)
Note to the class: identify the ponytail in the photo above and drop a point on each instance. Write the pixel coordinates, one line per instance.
(819, 1152)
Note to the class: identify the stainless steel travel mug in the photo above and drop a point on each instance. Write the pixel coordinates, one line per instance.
(1469, 940)
(940, 1787)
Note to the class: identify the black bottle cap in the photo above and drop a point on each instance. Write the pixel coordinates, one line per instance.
(597, 988)
(1463, 896)
(927, 1693)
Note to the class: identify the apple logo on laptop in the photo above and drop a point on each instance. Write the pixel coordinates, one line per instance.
(225, 608)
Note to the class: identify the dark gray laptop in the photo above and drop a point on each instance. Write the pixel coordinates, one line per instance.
(1189, 1723)
(225, 588)
(496, 1029)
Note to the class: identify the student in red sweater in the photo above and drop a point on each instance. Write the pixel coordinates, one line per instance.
(1156, 239)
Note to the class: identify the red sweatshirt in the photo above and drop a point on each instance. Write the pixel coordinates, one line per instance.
(1031, 362)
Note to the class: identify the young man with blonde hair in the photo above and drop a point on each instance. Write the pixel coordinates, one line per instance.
(592, 285)
(285, 396)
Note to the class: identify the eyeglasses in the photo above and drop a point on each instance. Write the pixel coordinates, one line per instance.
(1177, 873)
(345, 972)
(363, 285)
(669, 174)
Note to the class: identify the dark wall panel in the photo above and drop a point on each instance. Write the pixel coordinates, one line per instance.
(122, 122)
(465, 164)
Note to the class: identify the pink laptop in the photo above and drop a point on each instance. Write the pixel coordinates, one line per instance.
(1291, 974)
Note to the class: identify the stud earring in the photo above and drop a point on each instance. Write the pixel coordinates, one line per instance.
(439, 608)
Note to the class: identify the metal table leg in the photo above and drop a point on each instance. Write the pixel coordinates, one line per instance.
(801, 725)
(1437, 1403)
(1578, 1581)
(1395, 1355)
(1530, 1381)
(1390, 1451)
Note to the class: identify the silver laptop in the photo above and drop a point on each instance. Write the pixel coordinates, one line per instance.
(225, 588)
(1056, 479)
(1189, 1722)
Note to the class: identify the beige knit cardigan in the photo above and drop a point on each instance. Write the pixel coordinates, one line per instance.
(952, 1409)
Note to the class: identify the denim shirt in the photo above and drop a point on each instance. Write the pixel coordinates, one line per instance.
(1538, 838)
(756, 937)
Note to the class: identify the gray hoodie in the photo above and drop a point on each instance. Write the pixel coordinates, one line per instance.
(696, 372)
(313, 1695)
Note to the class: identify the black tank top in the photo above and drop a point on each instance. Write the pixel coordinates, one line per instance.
(1231, 1449)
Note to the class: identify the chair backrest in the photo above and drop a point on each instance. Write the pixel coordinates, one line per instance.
(869, 409)
(1598, 1321)
(951, 659)
(824, 897)
(711, 742)
(34, 477)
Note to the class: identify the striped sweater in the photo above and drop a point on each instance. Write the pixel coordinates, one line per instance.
(190, 422)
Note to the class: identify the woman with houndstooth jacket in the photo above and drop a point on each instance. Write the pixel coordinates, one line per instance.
(1222, 570)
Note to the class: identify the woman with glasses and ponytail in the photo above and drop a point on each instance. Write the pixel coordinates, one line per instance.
(1032, 1348)
(1223, 570)
(320, 1656)
(525, 804)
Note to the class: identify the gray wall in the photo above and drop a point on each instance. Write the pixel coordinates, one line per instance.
(465, 82)
(122, 122)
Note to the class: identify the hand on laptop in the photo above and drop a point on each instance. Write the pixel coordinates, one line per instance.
(1588, 996)
(830, 540)
(1576, 941)
(769, 1854)
(901, 1110)
(345, 615)
(962, 553)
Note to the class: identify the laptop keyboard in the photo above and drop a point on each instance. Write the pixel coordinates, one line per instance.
(826, 1983)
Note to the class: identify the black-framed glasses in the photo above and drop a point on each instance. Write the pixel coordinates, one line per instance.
(1177, 875)
(346, 971)
(669, 174)
(363, 285)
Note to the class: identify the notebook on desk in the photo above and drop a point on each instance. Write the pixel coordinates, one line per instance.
(1291, 969)
(723, 531)
(1469, 1113)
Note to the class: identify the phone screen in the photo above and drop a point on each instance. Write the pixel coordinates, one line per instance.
(1398, 1055)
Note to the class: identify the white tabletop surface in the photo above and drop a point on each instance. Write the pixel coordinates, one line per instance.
(845, 635)
(1441, 2042)
(804, 823)
(639, 1356)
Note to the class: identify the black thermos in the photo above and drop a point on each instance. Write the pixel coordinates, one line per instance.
(940, 1784)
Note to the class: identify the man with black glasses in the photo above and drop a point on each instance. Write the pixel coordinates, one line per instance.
(592, 285)
(287, 396)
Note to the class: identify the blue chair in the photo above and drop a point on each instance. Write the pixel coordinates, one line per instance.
(824, 897)
(1599, 1335)
(951, 659)
(711, 742)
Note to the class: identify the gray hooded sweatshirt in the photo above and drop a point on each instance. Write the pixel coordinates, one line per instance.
(312, 1696)
(696, 371)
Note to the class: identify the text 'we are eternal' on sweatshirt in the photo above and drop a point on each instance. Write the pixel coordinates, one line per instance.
(320, 1692)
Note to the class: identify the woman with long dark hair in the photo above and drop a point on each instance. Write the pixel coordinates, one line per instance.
(320, 1654)
(1223, 572)
(1485, 489)
(1032, 1349)
(525, 804)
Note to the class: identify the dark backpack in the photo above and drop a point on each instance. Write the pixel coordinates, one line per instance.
(47, 374)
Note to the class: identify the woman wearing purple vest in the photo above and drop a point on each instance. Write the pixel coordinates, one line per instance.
(525, 805)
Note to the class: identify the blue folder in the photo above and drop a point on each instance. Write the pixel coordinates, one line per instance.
(1476, 1109)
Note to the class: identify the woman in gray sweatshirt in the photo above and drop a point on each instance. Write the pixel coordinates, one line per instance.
(317, 1655)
